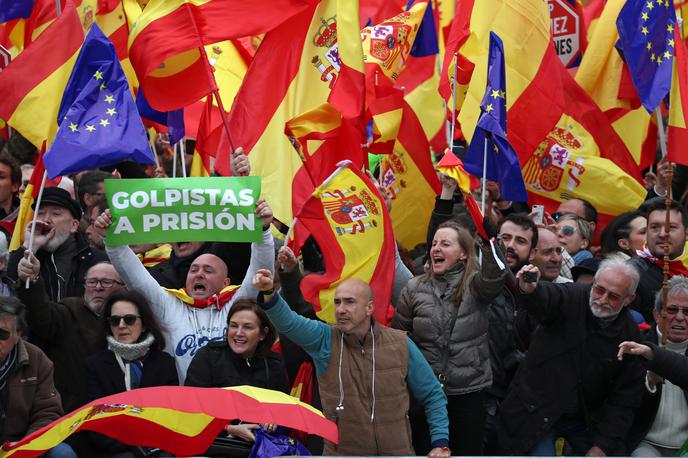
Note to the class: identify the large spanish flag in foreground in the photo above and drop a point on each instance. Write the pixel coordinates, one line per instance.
(348, 219)
(677, 136)
(408, 178)
(181, 420)
(31, 87)
(166, 41)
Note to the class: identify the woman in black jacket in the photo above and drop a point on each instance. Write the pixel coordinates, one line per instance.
(245, 358)
(134, 358)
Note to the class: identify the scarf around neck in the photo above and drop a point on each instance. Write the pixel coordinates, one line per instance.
(131, 352)
(218, 300)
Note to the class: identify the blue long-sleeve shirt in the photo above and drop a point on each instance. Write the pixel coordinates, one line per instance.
(315, 337)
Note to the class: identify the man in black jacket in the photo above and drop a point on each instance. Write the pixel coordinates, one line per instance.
(64, 253)
(650, 261)
(571, 383)
(661, 425)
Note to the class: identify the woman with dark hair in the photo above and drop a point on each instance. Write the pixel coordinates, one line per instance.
(445, 311)
(134, 358)
(625, 234)
(244, 358)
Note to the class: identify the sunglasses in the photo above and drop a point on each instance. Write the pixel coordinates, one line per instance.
(613, 298)
(568, 231)
(129, 320)
(4, 334)
(674, 309)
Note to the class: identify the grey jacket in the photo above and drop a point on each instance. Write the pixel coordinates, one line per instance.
(425, 311)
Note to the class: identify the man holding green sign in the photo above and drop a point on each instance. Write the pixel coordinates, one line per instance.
(215, 209)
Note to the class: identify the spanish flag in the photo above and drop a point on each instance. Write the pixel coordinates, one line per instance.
(31, 87)
(208, 140)
(166, 42)
(347, 217)
(386, 110)
(294, 70)
(408, 178)
(677, 135)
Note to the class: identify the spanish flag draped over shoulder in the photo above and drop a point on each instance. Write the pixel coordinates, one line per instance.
(294, 70)
(536, 96)
(677, 135)
(30, 87)
(408, 178)
(347, 217)
(166, 40)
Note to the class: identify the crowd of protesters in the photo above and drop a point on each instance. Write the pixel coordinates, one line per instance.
(553, 338)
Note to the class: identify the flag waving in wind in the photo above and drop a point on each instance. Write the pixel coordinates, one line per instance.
(502, 161)
(99, 122)
(646, 40)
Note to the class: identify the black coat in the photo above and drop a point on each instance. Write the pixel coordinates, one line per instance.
(83, 259)
(68, 332)
(217, 366)
(104, 377)
(668, 364)
(572, 365)
(651, 277)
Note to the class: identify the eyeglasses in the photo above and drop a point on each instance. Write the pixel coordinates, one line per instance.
(105, 282)
(568, 231)
(674, 309)
(4, 334)
(129, 320)
(556, 216)
(613, 298)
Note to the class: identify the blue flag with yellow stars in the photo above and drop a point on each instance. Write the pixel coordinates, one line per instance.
(502, 160)
(14, 9)
(646, 42)
(174, 120)
(98, 121)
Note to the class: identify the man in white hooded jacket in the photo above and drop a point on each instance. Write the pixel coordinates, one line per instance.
(197, 314)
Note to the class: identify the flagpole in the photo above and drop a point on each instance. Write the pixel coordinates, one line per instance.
(58, 8)
(453, 124)
(667, 221)
(155, 153)
(182, 156)
(174, 161)
(35, 218)
(484, 184)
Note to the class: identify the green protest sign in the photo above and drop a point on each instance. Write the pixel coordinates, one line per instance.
(153, 210)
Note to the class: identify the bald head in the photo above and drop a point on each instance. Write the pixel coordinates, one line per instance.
(207, 276)
(357, 287)
(353, 306)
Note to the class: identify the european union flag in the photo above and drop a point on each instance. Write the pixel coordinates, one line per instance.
(99, 123)
(174, 120)
(502, 161)
(14, 9)
(646, 42)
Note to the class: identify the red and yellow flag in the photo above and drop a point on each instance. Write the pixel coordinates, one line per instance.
(677, 135)
(294, 70)
(31, 86)
(182, 420)
(347, 217)
(386, 110)
(166, 42)
(408, 178)
(208, 140)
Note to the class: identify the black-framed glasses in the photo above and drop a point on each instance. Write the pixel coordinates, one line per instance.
(674, 309)
(105, 282)
(4, 334)
(129, 320)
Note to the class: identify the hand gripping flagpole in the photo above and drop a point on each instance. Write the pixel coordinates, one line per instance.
(667, 222)
(35, 218)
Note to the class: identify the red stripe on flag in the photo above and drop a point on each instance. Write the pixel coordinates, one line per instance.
(677, 147)
(25, 73)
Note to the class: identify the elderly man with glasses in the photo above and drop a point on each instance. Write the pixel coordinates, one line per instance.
(70, 330)
(571, 383)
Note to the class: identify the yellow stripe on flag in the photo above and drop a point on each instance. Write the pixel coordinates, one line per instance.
(155, 9)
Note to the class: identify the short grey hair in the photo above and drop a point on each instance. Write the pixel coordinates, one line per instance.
(13, 308)
(583, 226)
(677, 284)
(622, 267)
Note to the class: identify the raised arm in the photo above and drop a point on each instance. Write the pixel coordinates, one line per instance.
(262, 254)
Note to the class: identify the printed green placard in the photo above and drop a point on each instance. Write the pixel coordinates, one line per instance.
(154, 210)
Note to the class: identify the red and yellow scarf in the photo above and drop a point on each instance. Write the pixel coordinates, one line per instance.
(218, 300)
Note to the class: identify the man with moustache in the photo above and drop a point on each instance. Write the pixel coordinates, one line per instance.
(571, 383)
(64, 253)
(70, 330)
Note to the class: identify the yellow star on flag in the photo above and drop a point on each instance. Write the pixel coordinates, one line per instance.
(488, 108)
(90, 128)
(495, 94)
(102, 86)
(73, 127)
(659, 2)
(670, 28)
(666, 3)
(649, 46)
(667, 55)
(502, 94)
(98, 75)
(109, 99)
(653, 57)
(111, 111)
(496, 148)
(104, 122)
(645, 16)
(644, 31)
(659, 59)
(671, 42)
(650, 6)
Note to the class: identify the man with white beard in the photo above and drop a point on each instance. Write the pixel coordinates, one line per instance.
(571, 383)
(64, 252)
